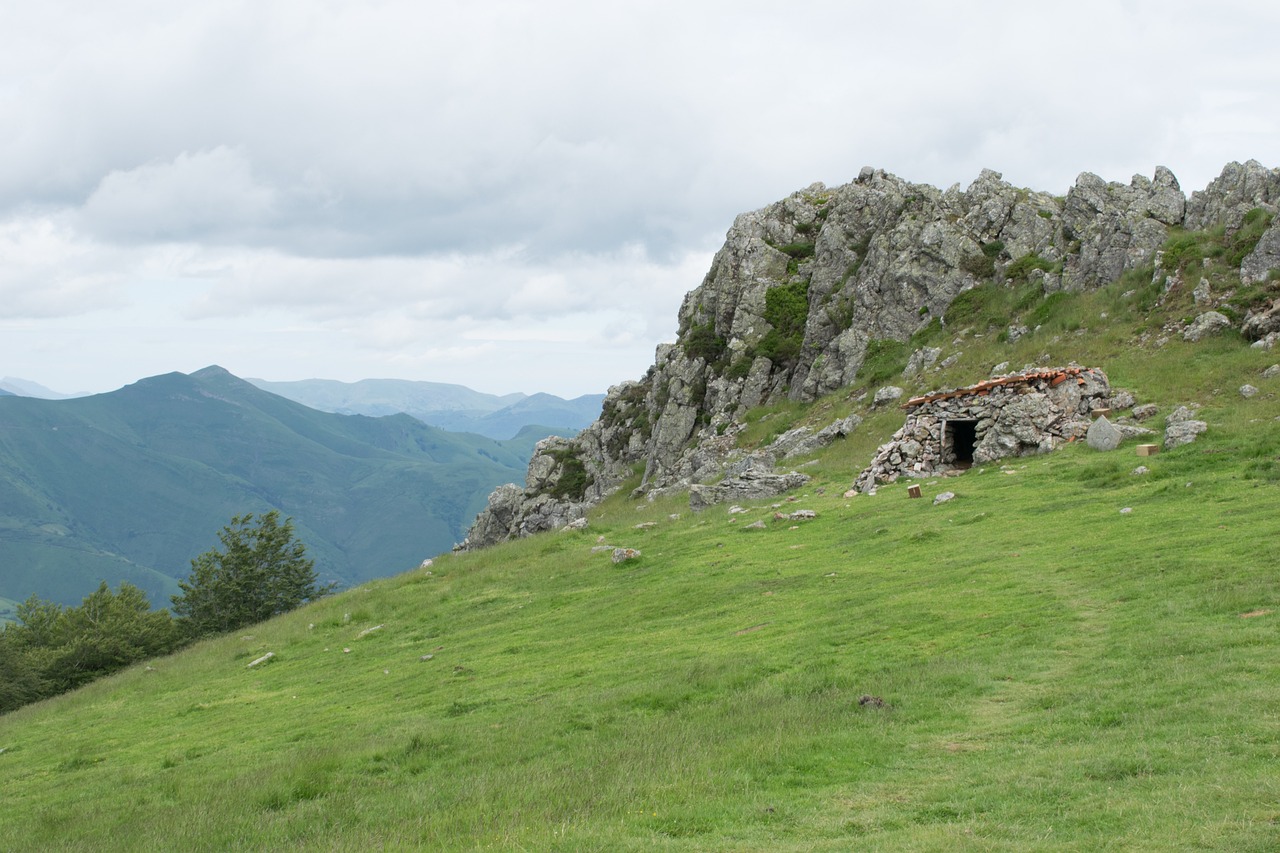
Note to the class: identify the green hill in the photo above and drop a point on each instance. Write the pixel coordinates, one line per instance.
(129, 486)
(1025, 667)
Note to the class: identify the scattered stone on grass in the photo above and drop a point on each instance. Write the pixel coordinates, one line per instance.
(1141, 469)
(1247, 391)
(1271, 372)
(887, 394)
(1146, 410)
(268, 656)
(622, 555)
(755, 525)
(1126, 510)
(1178, 433)
(368, 631)
(943, 497)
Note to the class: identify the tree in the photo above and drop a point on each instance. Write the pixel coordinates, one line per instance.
(107, 632)
(52, 649)
(261, 572)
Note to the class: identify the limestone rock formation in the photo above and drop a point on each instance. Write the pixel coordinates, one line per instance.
(804, 288)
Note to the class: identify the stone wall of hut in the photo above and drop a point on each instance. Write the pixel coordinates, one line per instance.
(1015, 415)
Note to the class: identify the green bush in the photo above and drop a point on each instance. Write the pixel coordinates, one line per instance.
(573, 482)
(701, 341)
(1020, 270)
(786, 309)
(978, 266)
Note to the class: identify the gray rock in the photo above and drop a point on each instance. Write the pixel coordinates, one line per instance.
(921, 360)
(886, 395)
(1264, 258)
(1239, 189)
(806, 444)
(1178, 433)
(1183, 413)
(943, 497)
(1102, 435)
(1128, 431)
(752, 485)
(1262, 322)
(1122, 399)
(1146, 410)
(1140, 470)
(1271, 372)
(1247, 391)
(1202, 295)
(1208, 323)
(622, 555)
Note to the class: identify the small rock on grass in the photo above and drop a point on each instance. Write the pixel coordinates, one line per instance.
(622, 555)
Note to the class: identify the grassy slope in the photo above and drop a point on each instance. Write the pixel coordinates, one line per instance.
(1060, 675)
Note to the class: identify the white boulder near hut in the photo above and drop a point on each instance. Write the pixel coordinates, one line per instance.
(1019, 414)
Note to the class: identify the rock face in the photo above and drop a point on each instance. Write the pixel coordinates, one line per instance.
(804, 288)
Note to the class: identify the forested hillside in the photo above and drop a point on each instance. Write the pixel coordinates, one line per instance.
(131, 485)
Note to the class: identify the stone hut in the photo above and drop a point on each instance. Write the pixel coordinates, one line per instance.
(1018, 414)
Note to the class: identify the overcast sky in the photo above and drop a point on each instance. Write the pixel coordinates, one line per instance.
(515, 196)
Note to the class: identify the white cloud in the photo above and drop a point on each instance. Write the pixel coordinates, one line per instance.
(306, 188)
(207, 194)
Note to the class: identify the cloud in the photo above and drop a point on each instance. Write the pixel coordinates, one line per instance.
(210, 195)
(420, 187)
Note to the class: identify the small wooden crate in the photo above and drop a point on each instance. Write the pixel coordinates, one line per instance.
(1148, 449)
(913, 491)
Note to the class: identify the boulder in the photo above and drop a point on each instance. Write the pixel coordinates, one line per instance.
(1208, 323)
(887, 394)
(1178, 433)
(1261, 322)
(1264, 258)
(751, 485)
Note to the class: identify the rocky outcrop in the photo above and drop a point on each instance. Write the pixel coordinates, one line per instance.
(1239, 189)
(803, 289)
(1264, 260)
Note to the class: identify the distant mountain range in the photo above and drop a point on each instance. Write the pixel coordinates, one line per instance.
(451, 407)
(131, 485)
(27, 388)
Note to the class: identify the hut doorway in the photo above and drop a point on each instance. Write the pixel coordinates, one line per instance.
(958, 440)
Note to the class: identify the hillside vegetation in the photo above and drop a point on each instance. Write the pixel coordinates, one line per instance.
(131, 485)
(1024, 667)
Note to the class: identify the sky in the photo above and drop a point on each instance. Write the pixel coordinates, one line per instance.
(516, 196)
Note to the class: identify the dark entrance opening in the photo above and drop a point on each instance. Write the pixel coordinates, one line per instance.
(960, 438)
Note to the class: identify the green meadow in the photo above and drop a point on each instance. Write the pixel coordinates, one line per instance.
(1024, 667)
